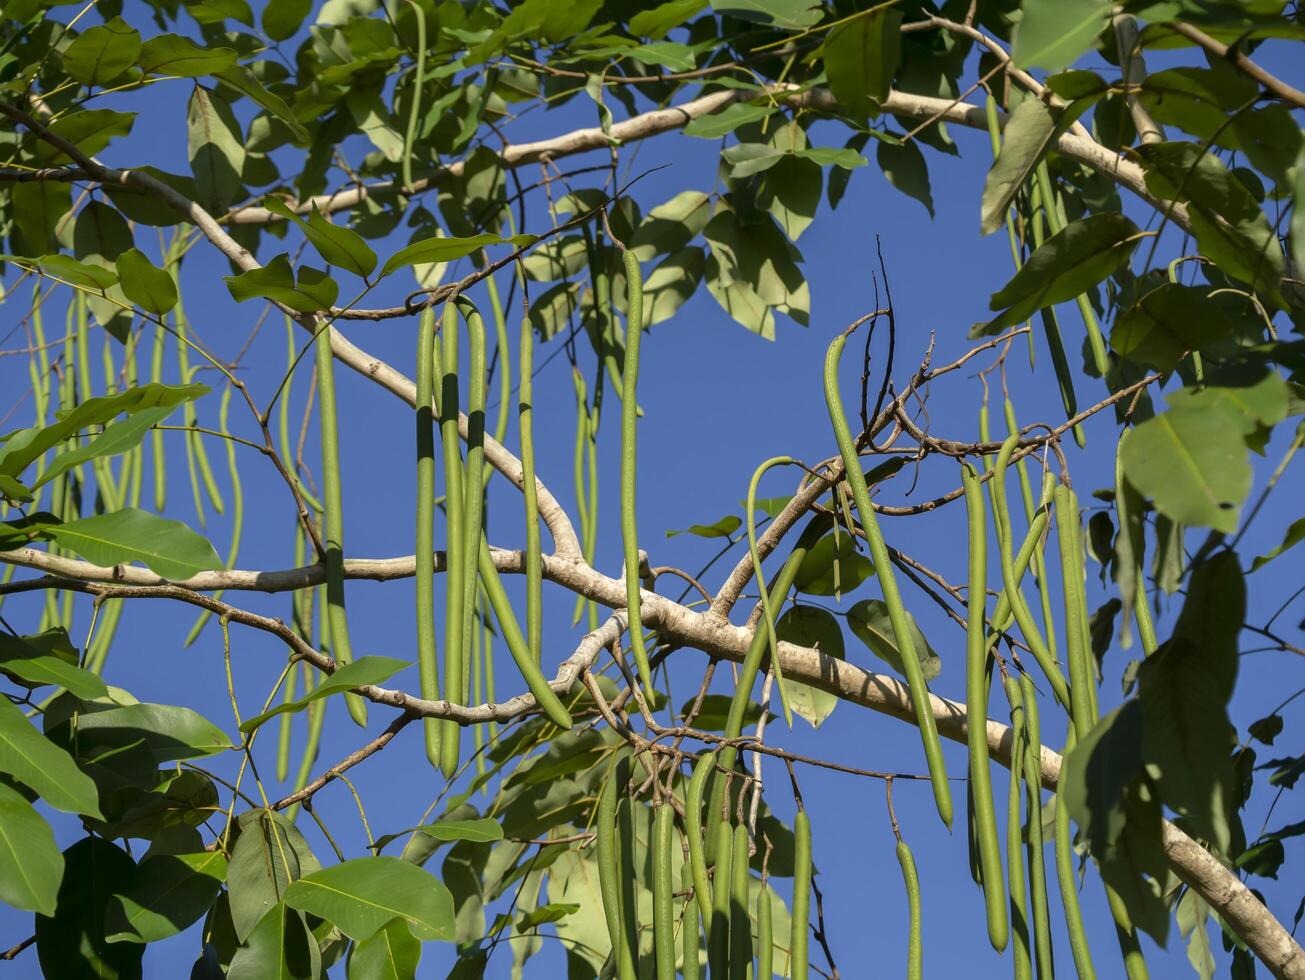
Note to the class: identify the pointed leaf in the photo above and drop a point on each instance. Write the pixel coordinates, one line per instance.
(861, 57)
(31, 865)
(360, 896)
(146, 285)
(38, 763)
(167, 547)
(71, 943)
(447, 249)
(172, 54)
(336, 245)
(364, 670)
(216, 148)
(809, 626)
(168, 893)
(311, 292)
(391, 954)
(869, 621)
(102, 53)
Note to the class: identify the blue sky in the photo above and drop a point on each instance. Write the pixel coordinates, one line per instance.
(717, 400)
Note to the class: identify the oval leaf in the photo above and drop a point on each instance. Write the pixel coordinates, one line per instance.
(167, 547)
(359, 897)
(869, 621)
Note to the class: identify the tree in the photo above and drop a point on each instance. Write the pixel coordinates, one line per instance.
(339, 153)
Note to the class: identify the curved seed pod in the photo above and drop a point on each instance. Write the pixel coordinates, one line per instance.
(237, 508)
(455, 576)
(976, 705)
(914, 944)
(751, 666)
(427, 657)
(1019, 908)
(740, 918)
(418, 79)
(702, 773)
(1131, 548)
(629, 461)
(718, 938)
(473, 490)
(1030, 512)
(316, 710)
(1080, 599)
(1068, 881)
(333, 518)
(942, 792)
(285, 730)
(582, 489)
(516, 643)
(663, 890)
(689, 934)
(529, 491)
(765, 934)
(1037, 871)
(768, 613)
(1014, 595)
(157, 455)
(610, 870)
(1080, 668)
(801, 919)
(193, 439)
(1002, 618)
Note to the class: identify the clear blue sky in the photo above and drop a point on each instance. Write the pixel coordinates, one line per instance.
(717, 400)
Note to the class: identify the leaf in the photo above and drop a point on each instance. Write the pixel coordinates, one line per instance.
(791, 14)
(1192, 462)
(1135, 865)
(722, 123)
(715, 709)
(1030, 129)
(360, 896)
(216, 149)
(1192, 914)
(1098, 771)
(723, 528)
(282, 947)
(1052, 34)
(102, 53)
(658, 21)
(447, 249)
(869, 621)
(1285, 770)
(905, 167)
(247, 84)
(68, 269)
(1167, 322)
(832, 566)
(391, 954)
(481, 831)
(861, 57)
(169, 548)
(1266, 729)
(338, 246)
(281, 19)
(120, 437)
(172, 54)
(1258, 399)
(360, 672)
(21, 449)
(1294, 536)
(310, 292)
(146, 285)
(71, 942)
(669, 54)
(38, 207)
(269, 854)
(1067, 264)
(44, 767)
(38, 669)
(31, 865)
(810, 626)
(1262, 858)
(168, 893)
(90, 130)
(792, 193)
(171, 732)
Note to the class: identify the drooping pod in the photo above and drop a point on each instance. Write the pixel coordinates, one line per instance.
(765, 933)
(767, 609)
(663, 891)
(801, 917)
(1038, 908)
(1067, 880)
(1078, 652)
(718, 938)
(610, 870)
(424, 538)
(529, 492)
(1019, 906)
(883, 566)
(914, 942)
(702, 772)
(689, 935)
(976, 706)
(629, 462)
(740, 916)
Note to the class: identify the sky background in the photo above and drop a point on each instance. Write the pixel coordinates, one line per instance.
(717, 400)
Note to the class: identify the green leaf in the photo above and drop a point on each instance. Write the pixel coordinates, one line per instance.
(714, 711)
(146, 285)
(391, 954)
(169, 548)
(833, 566)
(723, 528)
(1167, 322)
(31, 865)
(311, 292)
(120, 437)
(1294, 536)
(71, 942)
(216, 149)
(282, 18)
(364, 670)
(1098, 772)
(282, 947)
(338, 246)
(447, 249)
(38, 207)
(1052, 34)
(360, 896)
(21, 449)
(216, 11)
(15, 491)
(869, 621)
(1028, 132)
(1258, 396)
(172, 54)
(1135, 866)
(246, 83)
(658, 21)
(90, 130)
(1192, 463)
(905, 167)
(38, 669)
(1297, 226)
(168, 894)
(269, 854)
(832, 156)
(1262, 858)
(38, 763)
(1080, 256)
(102, 53)
(669, 54)
(481, 831)
(790, 14)
(68, 269)
(1192, 914)
(171, 732)
(810, 626)
(730, 118)
(792, 193)
(861, 57)
(1266, 729)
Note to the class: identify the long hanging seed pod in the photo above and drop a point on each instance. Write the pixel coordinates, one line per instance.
(888, 583)
(1038, 561)
(1019, 906)
(801, 918)
(1038, 907)
(333, 519)
(610, 870)
(768, 612)
(1080, 668)
(663, 890)
(1067, 880)
(914, 942)
(702, 774)
(427, 658)
(976, 705)
(689, 935)
(740, 965)
(455, 575)
(529, 491)
(1131, 548)
(718, 939)
(237, 507)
